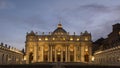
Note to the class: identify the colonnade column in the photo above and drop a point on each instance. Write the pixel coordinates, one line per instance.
(66, 54)
(34, 54)
(82, 53)
(55, 56)
(74, 54)
(61, 56)
(50, 53)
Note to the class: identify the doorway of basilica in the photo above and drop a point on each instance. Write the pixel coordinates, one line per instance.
(63, 56)
(30, 57)
(58, 56)
(86, 57)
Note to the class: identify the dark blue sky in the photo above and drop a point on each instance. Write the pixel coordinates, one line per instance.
(20, 16)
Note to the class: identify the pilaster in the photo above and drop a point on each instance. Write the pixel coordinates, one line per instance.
(66, 54)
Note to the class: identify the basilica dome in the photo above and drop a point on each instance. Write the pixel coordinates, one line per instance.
(59, 30)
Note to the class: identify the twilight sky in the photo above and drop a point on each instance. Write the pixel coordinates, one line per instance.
(20, 16)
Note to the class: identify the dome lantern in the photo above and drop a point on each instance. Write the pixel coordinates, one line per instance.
(59, 25)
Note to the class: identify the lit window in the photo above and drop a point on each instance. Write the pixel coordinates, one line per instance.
(58, 53)
(86, 39)
(119, 32)
(30, 39)
(71, 48)
(93, 58)
(39, 39)
(53, 38)
(77, 39)
(46, 48)
(86, 49)
(31, 49)
(63, 38)
(24, 57)
(71, 39)
(46, 38)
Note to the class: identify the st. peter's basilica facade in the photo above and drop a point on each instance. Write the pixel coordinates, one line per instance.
(58, 46)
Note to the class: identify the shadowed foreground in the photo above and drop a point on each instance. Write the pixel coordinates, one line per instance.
(58, 65)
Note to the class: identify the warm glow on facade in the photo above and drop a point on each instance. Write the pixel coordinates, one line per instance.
(63, 38)
(86, 49)
(86, 39)
(77, 39)
(63, 49)
(31, 49)
(10, 55)
(53, 38)
(46, 39)
(24, 57)
(39, 39)
(93, 58)
(71, 39)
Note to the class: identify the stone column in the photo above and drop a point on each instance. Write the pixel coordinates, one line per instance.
(82, 53)
(74, 53)
(66, 54)
(42, 53)
(55, 56)
(34, 54)
(90, 52)
(50, 53)
(61, 56)
(27, 53)
(37, 52)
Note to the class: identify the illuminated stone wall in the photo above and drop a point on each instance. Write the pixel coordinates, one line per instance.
(108, 56)
(109, 50)
(58, 46)
(10, 55)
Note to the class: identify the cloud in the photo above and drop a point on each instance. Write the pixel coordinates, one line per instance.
(95, 7)
(6, 5)
(97, 19)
